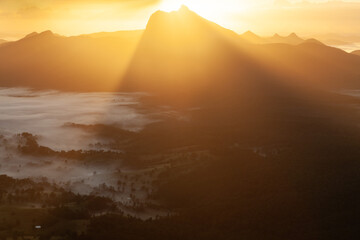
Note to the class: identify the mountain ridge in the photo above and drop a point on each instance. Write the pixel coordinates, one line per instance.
(292, 38)
(178, 40)
(220, 59)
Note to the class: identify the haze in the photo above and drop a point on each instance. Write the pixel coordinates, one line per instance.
(21, 17)
(191, 120)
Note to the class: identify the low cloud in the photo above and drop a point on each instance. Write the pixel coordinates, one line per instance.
(45, 114)
(305, 18)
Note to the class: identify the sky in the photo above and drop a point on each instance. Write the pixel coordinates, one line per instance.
(74, 17)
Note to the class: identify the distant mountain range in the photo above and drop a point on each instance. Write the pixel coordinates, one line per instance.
(292, 39)
(178, 51)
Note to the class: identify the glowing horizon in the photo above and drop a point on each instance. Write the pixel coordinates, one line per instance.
(264, 17)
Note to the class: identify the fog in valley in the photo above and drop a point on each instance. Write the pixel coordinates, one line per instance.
(65, 122)
(46, 114)
(191, 127)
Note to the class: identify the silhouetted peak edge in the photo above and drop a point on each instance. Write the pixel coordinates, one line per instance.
(293, 35)
(184, 8)
(249, 33)
(46, 33)
(31, 35)
(313, 41)
(160, 15)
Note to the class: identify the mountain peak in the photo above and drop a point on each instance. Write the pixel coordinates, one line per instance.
(31, 35)
(251, 37)
(159, 17)
(184, 8)
(249, 33)
(47, 33)
(313, 41)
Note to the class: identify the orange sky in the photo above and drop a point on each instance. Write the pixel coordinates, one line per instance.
(73, 17)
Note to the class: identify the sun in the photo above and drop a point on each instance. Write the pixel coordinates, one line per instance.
(171, 5)
(204, 8)
(210, 9)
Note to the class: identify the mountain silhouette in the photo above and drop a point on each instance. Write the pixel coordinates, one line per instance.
(177, 51)
(180, 51)
(46, 33)
(31, 35)
(313, 40)
(292, 39)
(182, 54)
(253, 38)
(81, 63)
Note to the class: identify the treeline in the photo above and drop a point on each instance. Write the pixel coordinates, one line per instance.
(26, 191)
(28, 145)
(25, 203)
